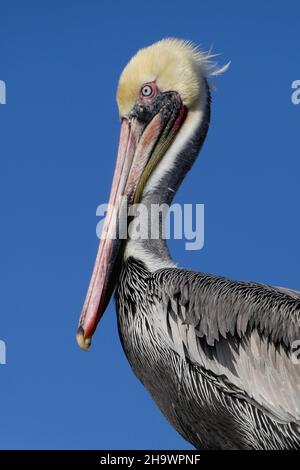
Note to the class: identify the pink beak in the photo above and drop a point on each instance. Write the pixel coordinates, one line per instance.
(135, 148)
(138, 143)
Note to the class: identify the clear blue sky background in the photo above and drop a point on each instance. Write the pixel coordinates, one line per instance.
(58, 138)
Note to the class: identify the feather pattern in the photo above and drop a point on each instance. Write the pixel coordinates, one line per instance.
(215, 355)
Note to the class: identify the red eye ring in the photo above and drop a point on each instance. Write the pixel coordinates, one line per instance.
(147, 91)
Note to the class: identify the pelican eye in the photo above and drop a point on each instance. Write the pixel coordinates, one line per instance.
(147, 90)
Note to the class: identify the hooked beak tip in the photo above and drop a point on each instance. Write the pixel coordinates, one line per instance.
(82, 341)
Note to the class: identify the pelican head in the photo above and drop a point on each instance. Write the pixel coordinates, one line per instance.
(162, 95)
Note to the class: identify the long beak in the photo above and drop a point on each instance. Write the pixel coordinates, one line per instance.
(141, 147)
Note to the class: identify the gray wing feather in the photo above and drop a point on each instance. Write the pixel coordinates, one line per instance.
(242, 331)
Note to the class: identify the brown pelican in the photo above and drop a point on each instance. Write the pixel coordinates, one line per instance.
(216, 355)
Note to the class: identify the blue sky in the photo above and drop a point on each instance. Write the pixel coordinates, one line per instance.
(58, 138)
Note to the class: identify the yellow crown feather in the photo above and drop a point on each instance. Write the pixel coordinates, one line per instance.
(174, 64)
